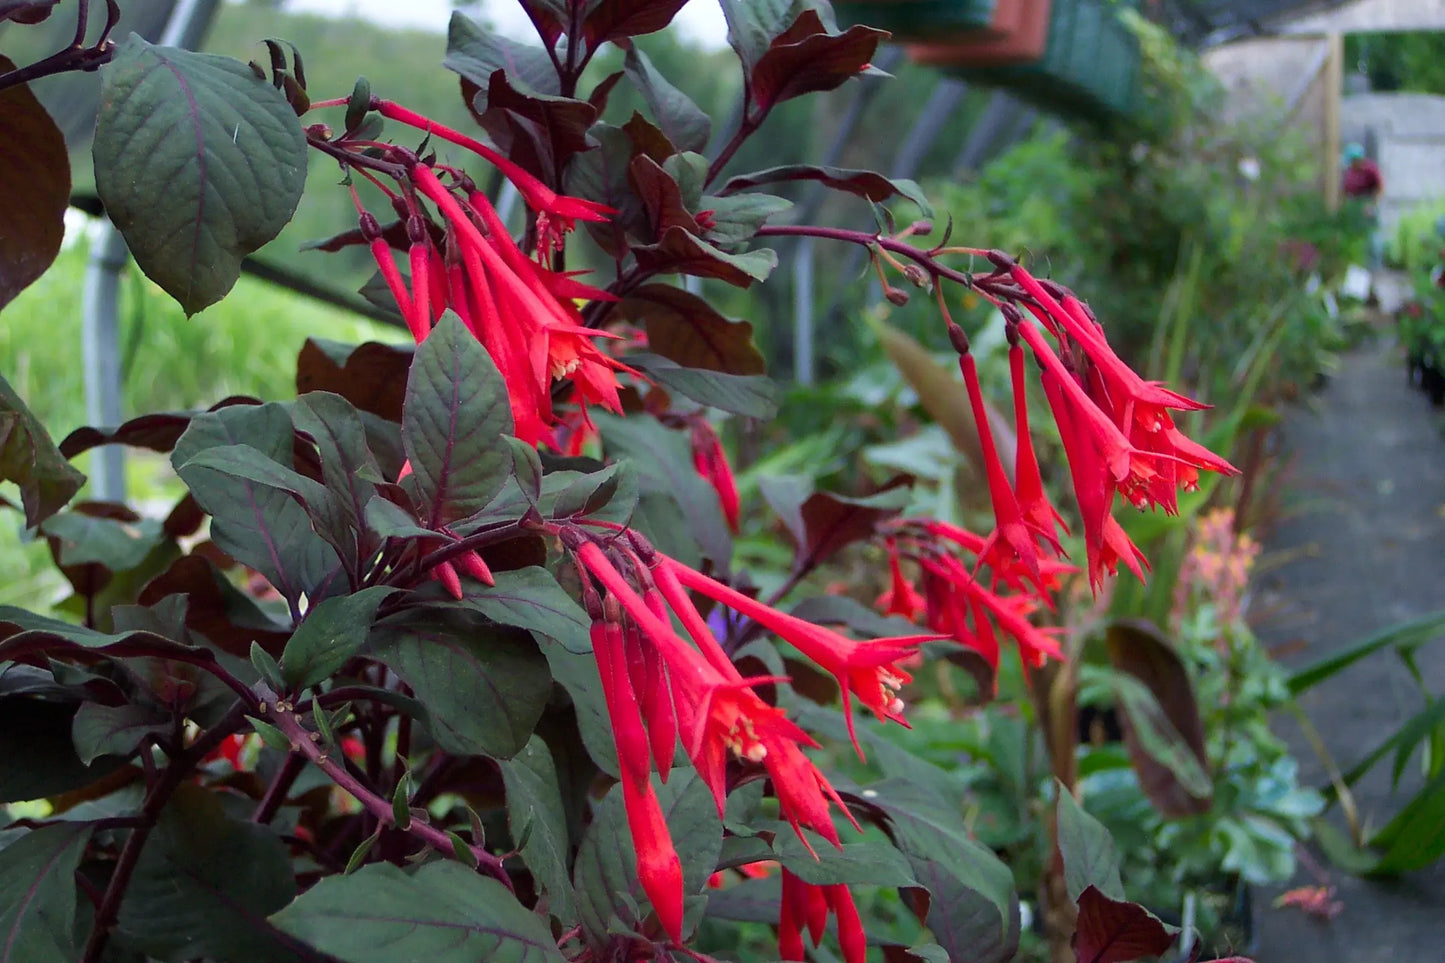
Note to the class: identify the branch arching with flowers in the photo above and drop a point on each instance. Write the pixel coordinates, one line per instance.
(457, 589)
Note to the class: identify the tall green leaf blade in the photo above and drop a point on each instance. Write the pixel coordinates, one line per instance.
(1406, 635)
(100, 730)
(443, 913)
(534, 804)
(456, 411)
(199, 163)
(205, 884)
(484, 686)
(37, 894)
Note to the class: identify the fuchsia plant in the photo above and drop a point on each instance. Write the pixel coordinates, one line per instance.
(495, 644)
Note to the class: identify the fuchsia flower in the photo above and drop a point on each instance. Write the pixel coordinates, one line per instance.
(711, 462)
(806, 905)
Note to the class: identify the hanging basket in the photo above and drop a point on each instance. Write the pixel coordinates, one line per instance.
(1090, 66)
(925, 19)
(1026, 43)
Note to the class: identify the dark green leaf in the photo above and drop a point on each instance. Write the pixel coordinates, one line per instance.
(530, 598)
(37, 894)
(332, 632)
(442, 913)
(205, 884)
(576, 672)
(534, 799)
(753, 25)
(100, 730)
(752, 396)
(606, 870)
(37, 754)
(30, 459)
(865, 184)
(199, 163)
(348, 466)
(687, 329)
(390, 520)
(476, 52)
(964, 922)
(34, 187)
(484, 686)
(457, 410)
(856, 863)
(737, 219)
(1090, 857)
(259, 525)
(267, 667)
(927, 825)
(117, 545)
(682, 121)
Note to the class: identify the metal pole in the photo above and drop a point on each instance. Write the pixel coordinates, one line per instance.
(100, 322)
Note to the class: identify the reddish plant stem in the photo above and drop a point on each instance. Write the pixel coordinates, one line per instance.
(746, 128)
(308, 744)
(923, 258)
(77, 56)
(491, 535)
(160, 794)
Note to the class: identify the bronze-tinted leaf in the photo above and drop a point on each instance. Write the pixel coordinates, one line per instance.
(687, 329)
(371, 376)
(807, 59)
(34, 179)
(1116, 931)
(1162, 728)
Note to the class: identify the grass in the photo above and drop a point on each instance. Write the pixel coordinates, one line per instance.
(246, 344)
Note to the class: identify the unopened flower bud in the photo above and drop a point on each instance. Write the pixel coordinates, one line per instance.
(416, 229)
(922, 228)
(916, 274)
(370, 227)
(896, 297)
(957, 338)
(1001, 260)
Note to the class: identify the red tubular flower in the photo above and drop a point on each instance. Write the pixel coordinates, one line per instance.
(868, 670)
(1104, 539)
(559, 209)
(1038, 512)
(901, 598)
(711, 462)
(720, 715)
(1011, 538)
(804, 904)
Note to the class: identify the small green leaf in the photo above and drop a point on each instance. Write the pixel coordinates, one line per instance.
(360, 853)
(267, 668)
(198, 162)
(100, 730)
(442, 913)
(865, 184)
(37, 893)
(270, 735)
(332, 632)
(400, 811)
(461, 850)
(1090, 857)
(456, 409)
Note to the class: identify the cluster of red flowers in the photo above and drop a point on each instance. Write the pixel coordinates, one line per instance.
(524, 313)
(659, 687)
(660, 683)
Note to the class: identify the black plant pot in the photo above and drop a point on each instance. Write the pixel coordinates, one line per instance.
(1233, 900)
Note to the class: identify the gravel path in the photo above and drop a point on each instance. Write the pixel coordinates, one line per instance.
(1362, 545)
